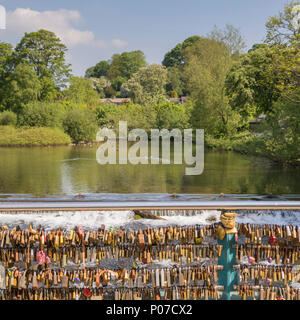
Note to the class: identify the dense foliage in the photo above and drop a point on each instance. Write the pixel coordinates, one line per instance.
(224, 89)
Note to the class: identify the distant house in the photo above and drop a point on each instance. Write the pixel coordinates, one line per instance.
(178, 100)
(117, 101)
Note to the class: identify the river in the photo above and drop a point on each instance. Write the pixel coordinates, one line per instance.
(66, 170)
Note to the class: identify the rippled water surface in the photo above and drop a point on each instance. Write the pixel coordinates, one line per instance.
(66, 171)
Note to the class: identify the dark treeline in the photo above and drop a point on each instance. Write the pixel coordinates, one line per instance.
(225, 90)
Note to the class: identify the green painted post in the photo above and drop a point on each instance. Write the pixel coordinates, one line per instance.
(227, 277)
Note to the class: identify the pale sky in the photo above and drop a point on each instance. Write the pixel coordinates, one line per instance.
(94, 30)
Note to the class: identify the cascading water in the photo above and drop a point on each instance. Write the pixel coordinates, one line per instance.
(94, 219)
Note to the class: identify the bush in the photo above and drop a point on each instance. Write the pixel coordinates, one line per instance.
(102, 110)
(80, 125)
(10, 136)
(8, 118)
(243, 142)
(137, 116)
(171, 116)
(42, 114)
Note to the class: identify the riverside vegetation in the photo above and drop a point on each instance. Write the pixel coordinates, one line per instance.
(42, 103)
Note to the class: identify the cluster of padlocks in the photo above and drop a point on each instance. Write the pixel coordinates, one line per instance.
(271, 253)
(66, 264)
(170, 263)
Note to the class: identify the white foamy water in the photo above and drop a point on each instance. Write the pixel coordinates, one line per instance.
(279, 217)
(94, 219)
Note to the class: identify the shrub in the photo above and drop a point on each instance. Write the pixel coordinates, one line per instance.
(10, 136)
(101, 111)
(80, 125)
(42, 114)
(8, 118)
(137, 116)
(171, 115)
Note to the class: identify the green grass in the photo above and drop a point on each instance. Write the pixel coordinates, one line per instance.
(11, 137)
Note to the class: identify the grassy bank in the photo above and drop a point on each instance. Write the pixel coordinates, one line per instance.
(11, 137)
(250, 144)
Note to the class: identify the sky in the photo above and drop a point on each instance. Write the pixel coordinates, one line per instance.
(94, 30)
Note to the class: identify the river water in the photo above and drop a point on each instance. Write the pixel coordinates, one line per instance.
(66, 171)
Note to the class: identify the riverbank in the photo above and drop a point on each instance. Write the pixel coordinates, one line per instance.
(23, 137)
(250, 144)
(245, 143)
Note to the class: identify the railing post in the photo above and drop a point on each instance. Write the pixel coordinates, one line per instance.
(227, 276)
(226, 233)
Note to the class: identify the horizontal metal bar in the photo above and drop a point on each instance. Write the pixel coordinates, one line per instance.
(143, 205)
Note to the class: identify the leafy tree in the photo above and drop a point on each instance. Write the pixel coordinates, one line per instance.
(282, 132)
(99, 84)
(258, 46)
(232, 38)
(124, 65)
(284, 28)
(80, 125)
(174, 81)
(110, 92)
(283, 34)
(45, 53)
(99, 70)
(286, 67)
(82, 90)
(252, 83)
(20, 87)
(207, 64)
(175, 56)
(6, 53)
(148, 85)
(117, 82)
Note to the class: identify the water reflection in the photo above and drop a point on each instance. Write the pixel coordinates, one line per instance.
(71, 170)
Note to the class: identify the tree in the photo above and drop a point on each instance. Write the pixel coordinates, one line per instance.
(174, 81)
(283, 34)
(286, 65)
(252, 83)
(258, 46)
(283, 132)
(232, 38)
(175, 56)
(148, 85)
(99, 84)
(284, 28)
(6, 52)
(20, 87)
(126, 64)
(99, 70)
(117, 82)
(206, 66)
(45, 53)
(82, 90)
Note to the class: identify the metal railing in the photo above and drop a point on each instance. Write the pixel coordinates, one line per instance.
(38, 205)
